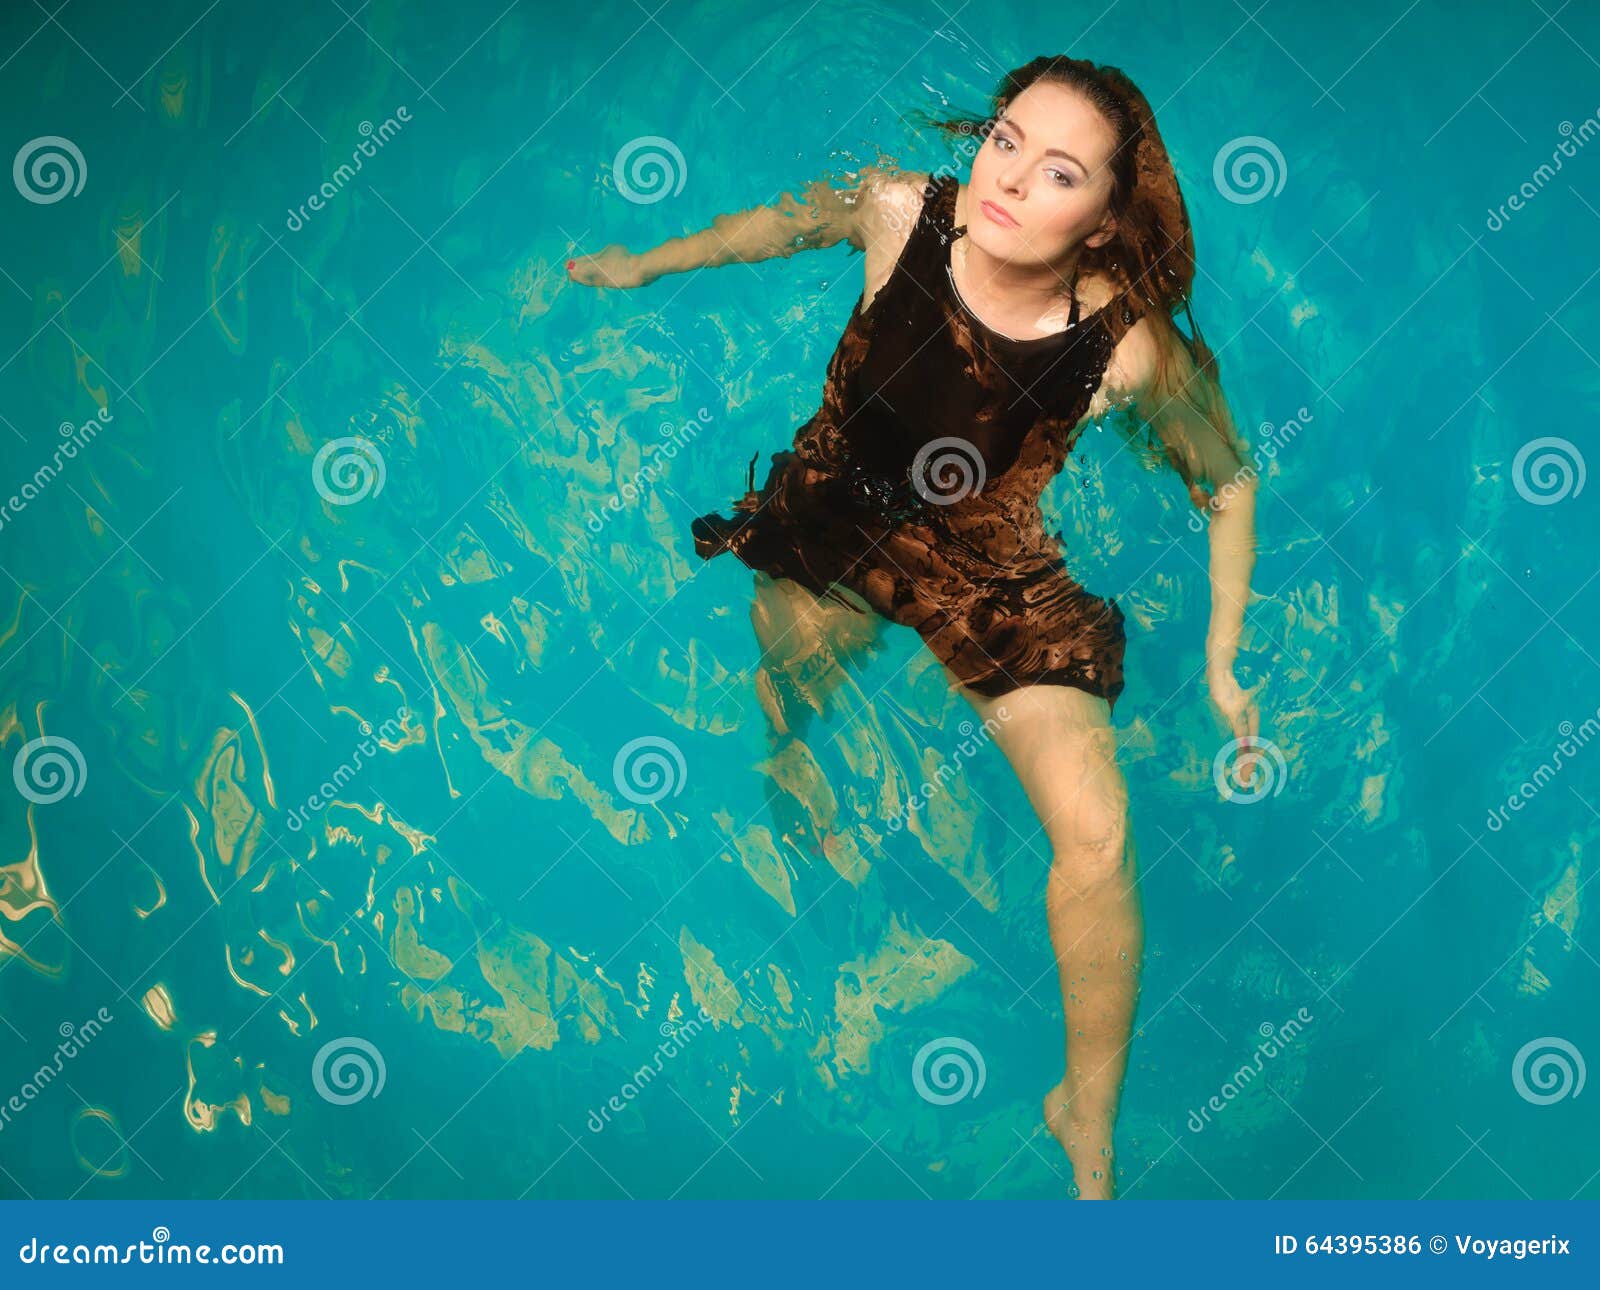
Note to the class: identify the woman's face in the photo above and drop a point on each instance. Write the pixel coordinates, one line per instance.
(1046, 166)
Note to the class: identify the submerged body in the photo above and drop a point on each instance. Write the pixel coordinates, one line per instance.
(913, 494)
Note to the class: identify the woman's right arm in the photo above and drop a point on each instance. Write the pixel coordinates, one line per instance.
(821, 216)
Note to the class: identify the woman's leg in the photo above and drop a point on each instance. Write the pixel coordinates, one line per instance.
(1060, 742)
(805, 642)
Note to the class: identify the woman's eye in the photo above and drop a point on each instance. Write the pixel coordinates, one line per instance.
(1060, 176)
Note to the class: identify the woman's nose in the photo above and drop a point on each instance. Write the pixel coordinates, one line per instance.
(1014, 181)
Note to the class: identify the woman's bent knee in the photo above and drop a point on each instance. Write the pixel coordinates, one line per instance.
(1092, 852)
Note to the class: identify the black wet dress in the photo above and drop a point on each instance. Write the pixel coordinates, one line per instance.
(917, 483)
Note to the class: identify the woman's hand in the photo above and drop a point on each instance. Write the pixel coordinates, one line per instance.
(613, 266)
(1235, 708)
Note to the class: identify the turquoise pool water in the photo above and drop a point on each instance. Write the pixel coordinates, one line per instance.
(403, 802)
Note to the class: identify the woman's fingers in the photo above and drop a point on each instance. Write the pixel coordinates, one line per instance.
(1241, 718)
(1247, 747)
(1247, 728)
(1244, 758)
(1236, 713)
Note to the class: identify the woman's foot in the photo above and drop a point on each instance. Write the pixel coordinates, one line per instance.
(1087, 1143)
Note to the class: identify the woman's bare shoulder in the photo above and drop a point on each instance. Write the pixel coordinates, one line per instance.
(1096, 290)
(890, 199)
(870, 208)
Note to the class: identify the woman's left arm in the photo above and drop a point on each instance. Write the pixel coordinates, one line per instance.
(1152, 369)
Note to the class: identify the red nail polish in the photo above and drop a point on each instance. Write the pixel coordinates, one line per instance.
(570, 263)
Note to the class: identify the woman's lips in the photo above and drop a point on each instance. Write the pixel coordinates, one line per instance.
(999, 216)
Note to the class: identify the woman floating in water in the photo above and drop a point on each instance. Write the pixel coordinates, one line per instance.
(998, 317)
